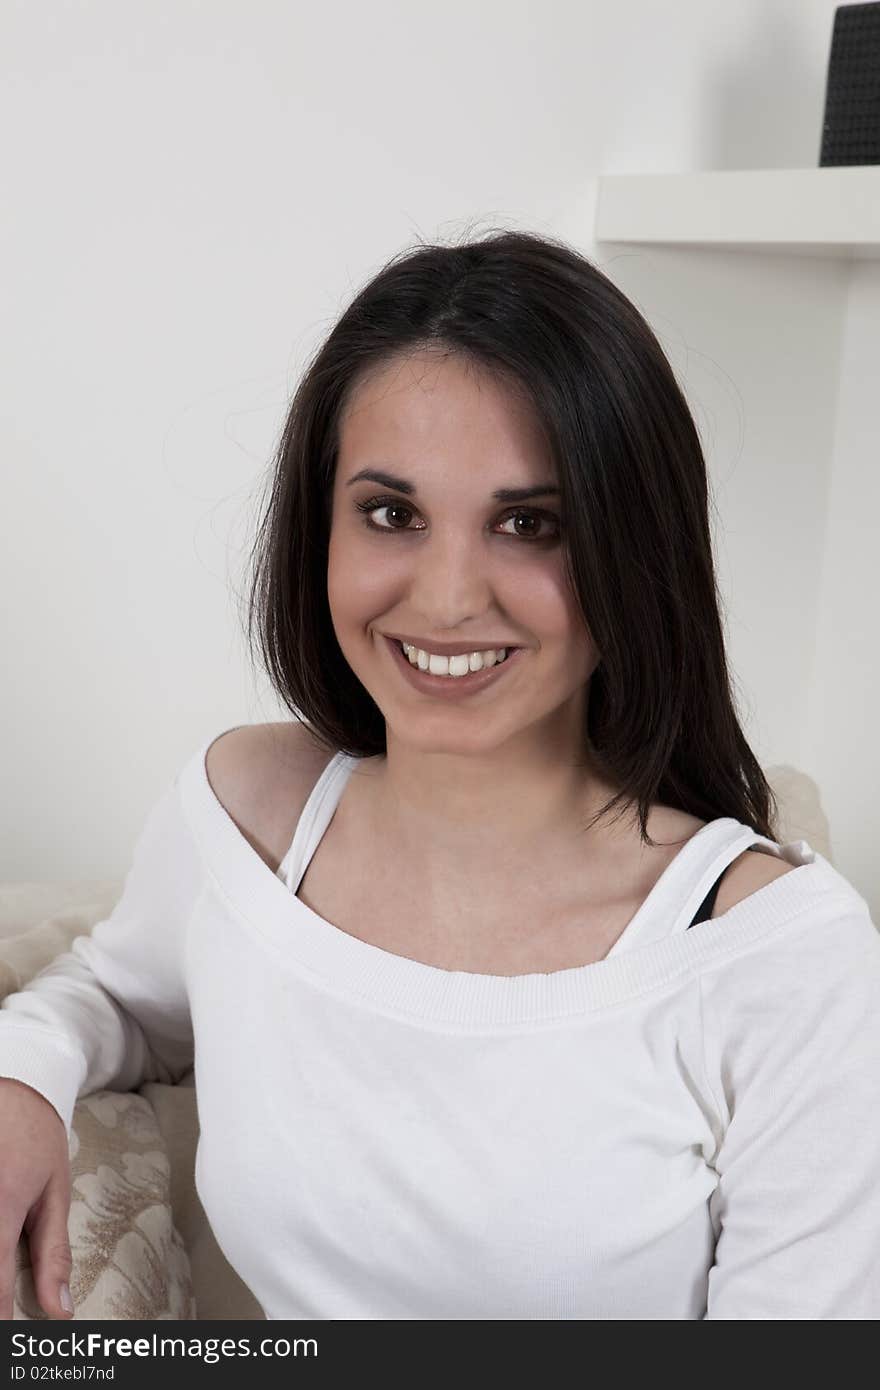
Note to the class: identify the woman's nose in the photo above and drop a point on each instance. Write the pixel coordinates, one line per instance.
(449, 580)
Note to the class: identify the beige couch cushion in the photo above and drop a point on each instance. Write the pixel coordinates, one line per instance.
(129, 1260)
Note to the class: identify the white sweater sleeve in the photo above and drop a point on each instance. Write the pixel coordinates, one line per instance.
(113, 1011)
(793, 1041)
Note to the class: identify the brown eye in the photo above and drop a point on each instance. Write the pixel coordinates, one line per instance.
(533, 519)
(383, 504)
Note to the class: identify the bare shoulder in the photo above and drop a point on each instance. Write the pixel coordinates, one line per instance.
(745, 875)
(262, 775)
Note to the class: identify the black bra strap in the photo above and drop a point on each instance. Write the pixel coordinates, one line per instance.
(704, 911)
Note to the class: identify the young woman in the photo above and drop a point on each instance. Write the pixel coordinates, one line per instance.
(503, 998)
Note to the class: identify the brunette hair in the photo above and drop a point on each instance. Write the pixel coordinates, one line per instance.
(661, 719)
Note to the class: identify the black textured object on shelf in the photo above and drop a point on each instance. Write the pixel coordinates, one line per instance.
(851, 129)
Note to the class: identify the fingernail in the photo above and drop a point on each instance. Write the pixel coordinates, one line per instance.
(66, 1300)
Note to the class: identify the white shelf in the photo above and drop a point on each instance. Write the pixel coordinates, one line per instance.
(832, 212)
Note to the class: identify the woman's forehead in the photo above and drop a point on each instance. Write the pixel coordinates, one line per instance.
(438, 418)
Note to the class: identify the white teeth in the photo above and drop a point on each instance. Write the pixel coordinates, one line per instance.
(452, 665)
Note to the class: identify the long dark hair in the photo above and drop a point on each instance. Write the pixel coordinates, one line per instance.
(661, 719)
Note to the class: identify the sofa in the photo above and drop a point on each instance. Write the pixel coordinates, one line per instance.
(142, 1246)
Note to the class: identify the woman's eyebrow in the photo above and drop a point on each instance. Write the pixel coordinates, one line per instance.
(501, 494)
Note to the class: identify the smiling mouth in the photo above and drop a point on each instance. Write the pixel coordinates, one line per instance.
(447, 685)
(408, 648)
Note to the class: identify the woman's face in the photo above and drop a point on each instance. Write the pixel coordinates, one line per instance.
(446, 562)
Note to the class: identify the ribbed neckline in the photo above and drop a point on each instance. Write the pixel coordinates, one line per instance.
(649, 956)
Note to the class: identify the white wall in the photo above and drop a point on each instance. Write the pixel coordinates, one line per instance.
(194, 190)
(841, 746)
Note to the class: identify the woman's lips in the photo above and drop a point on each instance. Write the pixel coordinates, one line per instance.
(451, 687)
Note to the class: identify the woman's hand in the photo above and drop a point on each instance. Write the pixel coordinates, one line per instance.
(34, 1196)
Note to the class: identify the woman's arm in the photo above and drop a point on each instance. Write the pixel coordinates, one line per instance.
(793, 1052)
(113, 1011)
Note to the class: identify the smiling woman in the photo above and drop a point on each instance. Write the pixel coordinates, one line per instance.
(453, 559)
(495, 1052)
